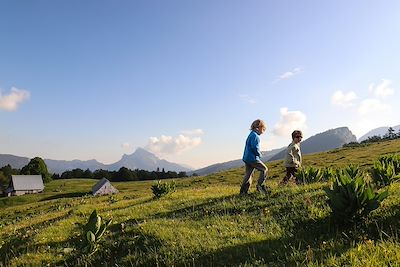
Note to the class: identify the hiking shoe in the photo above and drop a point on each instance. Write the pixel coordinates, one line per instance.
(283, 182)
(298, 182)
(262, 189)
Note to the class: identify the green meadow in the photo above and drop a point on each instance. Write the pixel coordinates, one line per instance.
(204, 222)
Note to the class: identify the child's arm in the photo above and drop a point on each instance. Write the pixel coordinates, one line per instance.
(291, 151)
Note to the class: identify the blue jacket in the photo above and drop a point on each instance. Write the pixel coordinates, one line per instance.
(252, 152)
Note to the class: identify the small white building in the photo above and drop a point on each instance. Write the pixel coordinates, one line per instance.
(104, 187)
(25, 184)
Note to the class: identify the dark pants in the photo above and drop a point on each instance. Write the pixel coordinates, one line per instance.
(247, 179)
(290, 172)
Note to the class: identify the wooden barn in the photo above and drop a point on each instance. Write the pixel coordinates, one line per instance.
(104, 187)
(25, 184)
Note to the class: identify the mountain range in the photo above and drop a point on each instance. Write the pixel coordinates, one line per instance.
(140, 159)
(381, 131)
(145, 160)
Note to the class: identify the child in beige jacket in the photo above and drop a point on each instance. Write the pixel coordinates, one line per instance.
(293, 157)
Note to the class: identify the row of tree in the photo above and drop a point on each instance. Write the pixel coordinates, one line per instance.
(123, 174)
(38, 166)
(389, 135)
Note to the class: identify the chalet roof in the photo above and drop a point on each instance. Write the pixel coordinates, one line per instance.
(27, 182)
(99, 184)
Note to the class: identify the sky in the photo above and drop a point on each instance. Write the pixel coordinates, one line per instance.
(185, 79)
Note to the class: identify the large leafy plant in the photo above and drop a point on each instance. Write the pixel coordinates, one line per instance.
(393, 159)
(328, 174)
(384, 173)
(93, 231)
(352, 170)
(351, 198)
(309, 175)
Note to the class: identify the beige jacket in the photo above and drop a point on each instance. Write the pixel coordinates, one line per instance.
(293, 156)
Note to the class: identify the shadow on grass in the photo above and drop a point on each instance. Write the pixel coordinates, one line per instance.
(253, 203)
(305, 239)
(385, 227)
(128, 248)
(67, 195)
(20, 242)
(305, 243)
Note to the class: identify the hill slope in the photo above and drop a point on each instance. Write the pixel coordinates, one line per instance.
(267, 155)
(203, 223)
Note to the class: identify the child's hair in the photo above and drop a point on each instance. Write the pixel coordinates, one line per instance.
(258, 123)
(296, 133)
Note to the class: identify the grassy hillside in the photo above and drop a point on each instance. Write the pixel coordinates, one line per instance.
(203, 223)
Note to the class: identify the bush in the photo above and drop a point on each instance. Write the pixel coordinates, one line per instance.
(384, 173)
(309, 175)
(161, 189)
(392, 159)
(351, 198)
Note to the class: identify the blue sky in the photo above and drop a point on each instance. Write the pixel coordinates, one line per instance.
(185, 79)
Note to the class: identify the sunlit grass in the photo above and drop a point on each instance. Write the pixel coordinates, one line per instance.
(205, 222)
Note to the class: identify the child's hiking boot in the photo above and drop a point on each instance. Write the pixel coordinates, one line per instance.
(283, 182)
(298, 182)
(262, 189)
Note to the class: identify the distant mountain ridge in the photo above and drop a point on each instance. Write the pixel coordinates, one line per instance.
(14, 161)
(380, 131)
(324, 141)
(140, 159)
(59, 166)
(145, 160)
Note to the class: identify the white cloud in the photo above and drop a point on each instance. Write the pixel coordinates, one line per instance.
(168, 145)
(289, 74)
(193, 132)
(343, 100)
(126, 145)
(11, 101)
(248, 99)
(383, 89)
(373, 105)
(290, 121)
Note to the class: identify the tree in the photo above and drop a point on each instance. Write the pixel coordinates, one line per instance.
(391, 134)
(4, 181)
(37, 166)
(87, 174)
(182, 174)
(8, 170)
(98, 174)
(124, 174)
(371, 139)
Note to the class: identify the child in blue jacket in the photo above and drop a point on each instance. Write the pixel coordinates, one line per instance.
(252, 159)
